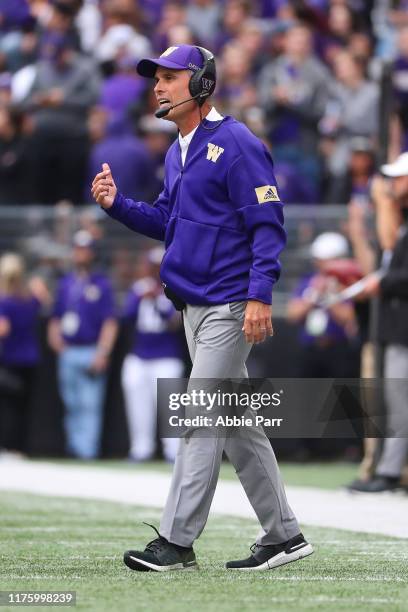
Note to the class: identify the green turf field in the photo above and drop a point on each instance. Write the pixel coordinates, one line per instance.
(69, 544)
(323, 475)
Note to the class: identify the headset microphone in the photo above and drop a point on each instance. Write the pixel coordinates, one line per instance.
(162, 112)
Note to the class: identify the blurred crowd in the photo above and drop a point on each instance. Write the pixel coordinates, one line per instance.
(303, 74)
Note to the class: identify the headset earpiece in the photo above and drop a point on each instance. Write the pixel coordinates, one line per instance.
(203, 81)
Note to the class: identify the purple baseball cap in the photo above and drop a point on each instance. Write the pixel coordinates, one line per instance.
(182, 57)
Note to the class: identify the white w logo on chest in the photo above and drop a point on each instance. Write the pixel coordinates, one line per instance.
(214, 151)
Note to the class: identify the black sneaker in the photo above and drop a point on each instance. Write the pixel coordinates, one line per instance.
(377, 484)
(160, 556)
(269, 557)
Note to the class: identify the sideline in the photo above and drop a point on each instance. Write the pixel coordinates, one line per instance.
(383, 513)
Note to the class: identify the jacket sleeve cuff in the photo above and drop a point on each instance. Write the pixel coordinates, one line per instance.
(260, 287)
(118, 208)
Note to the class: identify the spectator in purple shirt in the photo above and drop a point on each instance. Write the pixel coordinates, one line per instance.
(156, 352)
(123, 89)
(126, 153)
(20, 303)
(82, 332)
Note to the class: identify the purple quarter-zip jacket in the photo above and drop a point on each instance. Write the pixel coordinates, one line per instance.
(220, 217)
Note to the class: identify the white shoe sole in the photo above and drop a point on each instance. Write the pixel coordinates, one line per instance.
(192, 565)
(278, 560)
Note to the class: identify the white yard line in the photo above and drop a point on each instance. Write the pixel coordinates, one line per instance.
(373, 513)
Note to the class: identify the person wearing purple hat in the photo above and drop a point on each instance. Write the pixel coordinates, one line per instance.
(82, 331)
(221, 219)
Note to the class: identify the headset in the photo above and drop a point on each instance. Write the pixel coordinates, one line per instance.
(202, 82)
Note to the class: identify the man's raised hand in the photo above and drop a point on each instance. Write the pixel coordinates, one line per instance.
(103, 187)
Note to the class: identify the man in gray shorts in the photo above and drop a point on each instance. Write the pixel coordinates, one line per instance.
(221, 219)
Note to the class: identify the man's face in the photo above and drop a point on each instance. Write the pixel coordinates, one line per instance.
(172, 87)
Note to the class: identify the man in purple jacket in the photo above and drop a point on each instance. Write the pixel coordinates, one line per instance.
(221, 219)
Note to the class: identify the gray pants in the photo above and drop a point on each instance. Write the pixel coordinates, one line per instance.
(395, 449)
(218, 350)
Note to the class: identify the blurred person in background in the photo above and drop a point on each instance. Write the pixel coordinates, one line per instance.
(157, 136)
(156, 352)
(387, 16)
(88, 22)
(122, 35)
(173, 14)
(400, 83)
(123, 90)
(15, 168)
(203, 17)
(360, 46)
(351, 111)
(58, 17)
(363, 242)
(355, 184)
(65, 86)
(236, 92)
(393, 334)
(329, 337)
(114, 141)
(234, 14)
(152, 11)
(20, 304)
(293, 90)
(180, 35)
(18, 38)
(341, 25)
(327, 333)
(82, 331)
(252, 40)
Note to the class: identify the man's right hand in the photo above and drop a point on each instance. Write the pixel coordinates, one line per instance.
(103, 187)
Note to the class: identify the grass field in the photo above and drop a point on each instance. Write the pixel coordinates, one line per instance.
(322, 475)
(70, 544)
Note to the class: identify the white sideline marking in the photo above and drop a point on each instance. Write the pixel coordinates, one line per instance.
(385, 514)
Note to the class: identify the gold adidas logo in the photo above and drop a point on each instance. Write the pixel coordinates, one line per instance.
(267, 193)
